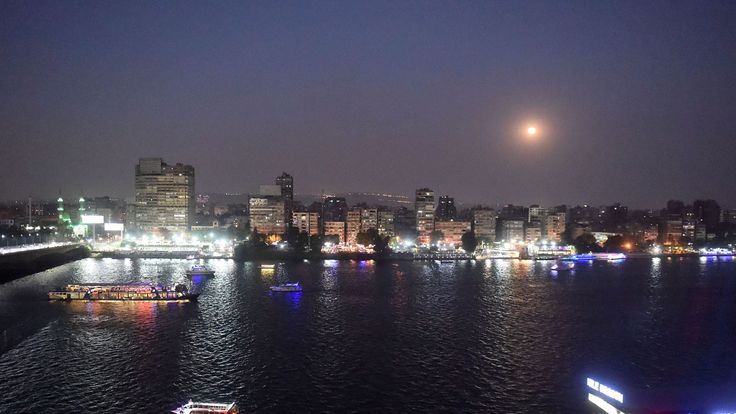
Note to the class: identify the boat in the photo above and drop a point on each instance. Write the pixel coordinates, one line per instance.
(200, 270)
(287, 287)
(204, 407)
(138, 291)
(561, 266)
(268, 266)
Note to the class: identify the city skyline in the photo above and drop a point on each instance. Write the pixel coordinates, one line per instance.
(375, 97)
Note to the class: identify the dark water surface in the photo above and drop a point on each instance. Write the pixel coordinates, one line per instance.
(487, 336)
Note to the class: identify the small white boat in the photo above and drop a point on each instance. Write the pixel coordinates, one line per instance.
(287, 287)
(560, 266)
(206, 408)
(200, 270)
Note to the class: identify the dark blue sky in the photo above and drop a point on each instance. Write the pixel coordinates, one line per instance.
(635, 101)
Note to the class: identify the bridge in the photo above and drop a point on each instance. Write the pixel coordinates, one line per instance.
(17, 261)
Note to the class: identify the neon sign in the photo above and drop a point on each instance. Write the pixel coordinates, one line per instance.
(605, 390)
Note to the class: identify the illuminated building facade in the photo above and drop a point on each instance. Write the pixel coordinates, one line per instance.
(352, 225)
(484, 223)
(452, 231)
(286, 183)
(306, 222)
(510, 230)
(334, 209)
(553, 226)
(386, 225)
(335, 228)
(164, 195)
(266, 215)
(446, 209)
(424, 210)
(368, 219)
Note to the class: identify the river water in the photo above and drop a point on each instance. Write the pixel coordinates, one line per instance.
(487, 336)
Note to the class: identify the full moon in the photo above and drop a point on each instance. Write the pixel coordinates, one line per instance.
(531, 130)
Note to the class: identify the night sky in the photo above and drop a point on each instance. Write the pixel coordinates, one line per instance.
(634, 101)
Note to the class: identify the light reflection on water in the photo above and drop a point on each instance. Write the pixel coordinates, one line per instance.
(493, 335)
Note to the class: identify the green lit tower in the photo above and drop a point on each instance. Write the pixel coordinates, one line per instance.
(60, 210)
(81, 208)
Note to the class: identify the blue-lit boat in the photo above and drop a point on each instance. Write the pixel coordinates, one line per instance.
(287, 287)
(200, 270)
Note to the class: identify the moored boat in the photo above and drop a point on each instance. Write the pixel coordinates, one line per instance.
(200, 270)
(287, 287)
(193, 407)
(140, 291)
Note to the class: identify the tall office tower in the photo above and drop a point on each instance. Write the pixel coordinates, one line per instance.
(708, 213)
(424, 208)
(286, 182)
(484, 224)
(386, 223)
(368, 219)
(334, 209)
(446, 210)
(164, 195)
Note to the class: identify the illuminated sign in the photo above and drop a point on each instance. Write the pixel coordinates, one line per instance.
(93, 219)
(603, 405)
(605, 390)
(114, 226)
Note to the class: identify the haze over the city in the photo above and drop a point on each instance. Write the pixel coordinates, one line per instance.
(629, 101)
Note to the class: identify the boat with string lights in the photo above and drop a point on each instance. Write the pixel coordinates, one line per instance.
(193, 407)
(137, 291)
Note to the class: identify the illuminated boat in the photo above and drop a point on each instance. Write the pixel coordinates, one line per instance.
(209, 408)
(141, 291)
(287, 287)
(201, 270)
(268, 266)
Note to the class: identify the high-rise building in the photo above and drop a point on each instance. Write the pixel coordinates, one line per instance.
(533, 232)
(386, 223)
(306, 222)
(368, 219)
(335, 228)
(286, 182)
(446, 209)
(164, 195)
(671, 230)
(553, 226)
(707, 212)
(334, 209)
(352, 225)
(452, 231)
(266, 215)
(424, 208)
(510, 230)
(536, 212)
(405, 222)
(484, 223)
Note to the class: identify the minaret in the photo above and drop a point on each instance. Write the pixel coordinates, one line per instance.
(60, 209)
(81, 207)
